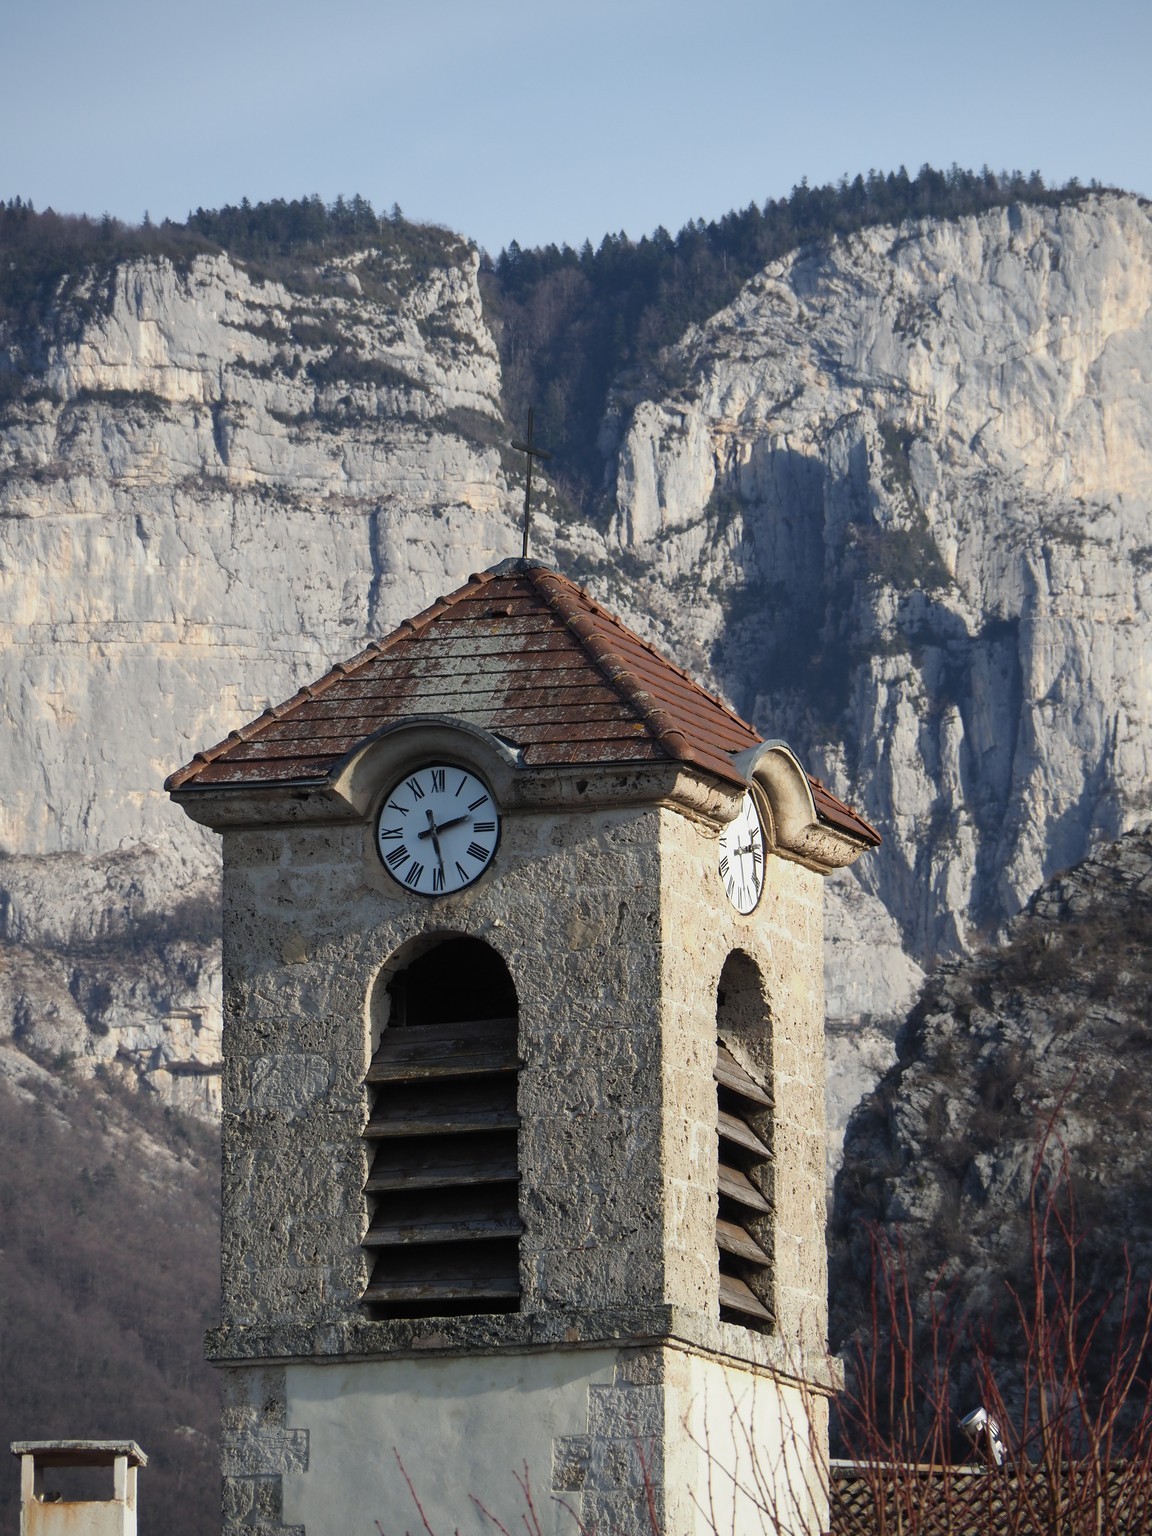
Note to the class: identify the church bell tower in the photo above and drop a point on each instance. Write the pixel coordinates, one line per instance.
(523, 1130)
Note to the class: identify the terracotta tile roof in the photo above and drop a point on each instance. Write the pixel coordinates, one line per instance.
(967, 1501)
(829, 809)
(522, 652)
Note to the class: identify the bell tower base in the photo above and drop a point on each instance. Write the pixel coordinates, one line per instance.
(640, 1440)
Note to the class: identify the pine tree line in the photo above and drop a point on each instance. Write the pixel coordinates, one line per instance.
(569, 323)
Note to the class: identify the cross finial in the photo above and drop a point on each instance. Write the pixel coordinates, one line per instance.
(533, 452)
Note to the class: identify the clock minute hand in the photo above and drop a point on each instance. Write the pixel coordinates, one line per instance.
(431, 829)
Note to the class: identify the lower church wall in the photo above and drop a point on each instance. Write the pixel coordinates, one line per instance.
(751, 1453)
(624, 1441)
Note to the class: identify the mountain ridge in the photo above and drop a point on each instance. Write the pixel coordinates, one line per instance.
(822, 519)
(892, 500)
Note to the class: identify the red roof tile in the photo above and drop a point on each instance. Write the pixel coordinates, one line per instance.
(522, 652)
(869, 1499)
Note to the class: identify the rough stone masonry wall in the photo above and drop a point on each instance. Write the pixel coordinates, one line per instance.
(783, 936)
(615, 928)
(618, 1028)
(310, 919)
(257, 1448)
(293, 1079)
(614, 1474)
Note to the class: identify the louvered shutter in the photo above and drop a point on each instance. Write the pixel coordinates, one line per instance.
(443, 1179)
(744, 1158)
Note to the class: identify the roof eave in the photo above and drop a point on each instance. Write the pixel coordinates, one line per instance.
(248, 804)
(349, 792)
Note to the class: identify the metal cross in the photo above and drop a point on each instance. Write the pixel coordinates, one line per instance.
(533, 453)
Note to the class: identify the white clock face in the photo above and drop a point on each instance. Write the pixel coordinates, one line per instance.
(742, 857)
(437, 830)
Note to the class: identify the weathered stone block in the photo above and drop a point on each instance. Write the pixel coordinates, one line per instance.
(289, 1084)
(570, 1457)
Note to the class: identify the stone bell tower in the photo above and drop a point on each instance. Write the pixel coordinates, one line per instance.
(523, 1087)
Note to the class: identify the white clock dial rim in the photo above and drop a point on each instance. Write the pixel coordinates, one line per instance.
(437, 830)
(741, 864)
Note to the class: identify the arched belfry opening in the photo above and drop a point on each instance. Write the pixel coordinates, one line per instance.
(744, 1146)
(444, 1223)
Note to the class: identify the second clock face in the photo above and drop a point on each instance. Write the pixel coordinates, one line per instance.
(742, 857)
(438, 830)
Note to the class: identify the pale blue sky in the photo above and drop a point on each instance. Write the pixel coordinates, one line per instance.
(507, 119)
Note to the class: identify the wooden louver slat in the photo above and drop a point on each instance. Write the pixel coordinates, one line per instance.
(445, 1050)
(730, 1074)
(437, 1164)
(739, 1187)
(462, 1124)
(732, 1238)
(733, 1129)
(744, 1154)
(481, 1290)
(446, 1215)
(388, 1234)
(736, 1296)
(445, 1227)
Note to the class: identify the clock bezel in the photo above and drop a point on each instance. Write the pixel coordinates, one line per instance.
(748, 801)
(410, 771)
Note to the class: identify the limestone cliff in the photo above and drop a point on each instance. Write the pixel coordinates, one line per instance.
(893, 501)
(216, 486)
(908, 477)
(210, 487)
(900, 501)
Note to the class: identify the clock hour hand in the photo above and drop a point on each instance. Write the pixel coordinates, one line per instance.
(432, 828)
(431, 832)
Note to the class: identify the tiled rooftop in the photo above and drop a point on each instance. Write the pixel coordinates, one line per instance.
(874, 1500)
(527, 655)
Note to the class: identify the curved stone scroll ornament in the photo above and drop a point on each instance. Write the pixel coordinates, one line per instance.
(794, 828)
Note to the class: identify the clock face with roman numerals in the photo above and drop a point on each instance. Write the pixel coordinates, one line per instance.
(742, 857)
(437, 830)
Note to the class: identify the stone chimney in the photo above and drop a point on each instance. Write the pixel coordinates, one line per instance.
(44, 1512)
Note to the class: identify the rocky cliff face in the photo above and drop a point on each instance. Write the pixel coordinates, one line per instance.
(210, 487)
(899, 502)
(208, 492)
(909, 479)
(104, 967)
(894, 501)
(1052, 1030)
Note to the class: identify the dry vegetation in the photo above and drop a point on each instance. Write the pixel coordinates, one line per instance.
(1070, 1405)
(109, 1241)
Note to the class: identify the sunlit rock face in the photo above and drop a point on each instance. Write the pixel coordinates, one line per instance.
(907, 482)
(194, 523)
(897, 506)
(210, 489)
(894, 504)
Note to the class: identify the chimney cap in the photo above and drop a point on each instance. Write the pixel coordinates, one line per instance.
(80, 1453)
